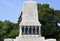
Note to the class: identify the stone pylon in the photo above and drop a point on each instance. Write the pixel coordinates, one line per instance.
(30, 19)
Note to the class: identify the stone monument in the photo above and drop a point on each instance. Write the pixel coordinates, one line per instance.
(30, 27)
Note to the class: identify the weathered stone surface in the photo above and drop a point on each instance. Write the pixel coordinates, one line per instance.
(30, 14)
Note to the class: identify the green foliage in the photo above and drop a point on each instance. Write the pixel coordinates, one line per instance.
(8, 30)
(48, 18)
(13, 33)
(20, 18)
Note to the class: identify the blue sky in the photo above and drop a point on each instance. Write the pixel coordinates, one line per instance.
(11, 9)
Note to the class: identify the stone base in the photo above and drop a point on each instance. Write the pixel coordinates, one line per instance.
(30, 38)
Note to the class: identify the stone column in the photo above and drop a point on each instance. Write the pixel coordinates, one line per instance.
(24, 30)
(28, 30)
(32, 30)
(20, 31)
(39, 31)
(35, 30)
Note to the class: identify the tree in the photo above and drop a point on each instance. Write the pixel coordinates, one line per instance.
(48, 21)
(20, 18)
(8, 29)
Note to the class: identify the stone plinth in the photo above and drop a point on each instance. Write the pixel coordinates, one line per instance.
(30, 38)
(8, 39)
(51, 39)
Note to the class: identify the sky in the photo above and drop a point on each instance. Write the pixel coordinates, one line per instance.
(11, 9)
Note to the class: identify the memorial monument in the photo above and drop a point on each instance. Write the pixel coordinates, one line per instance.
(30, 27)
